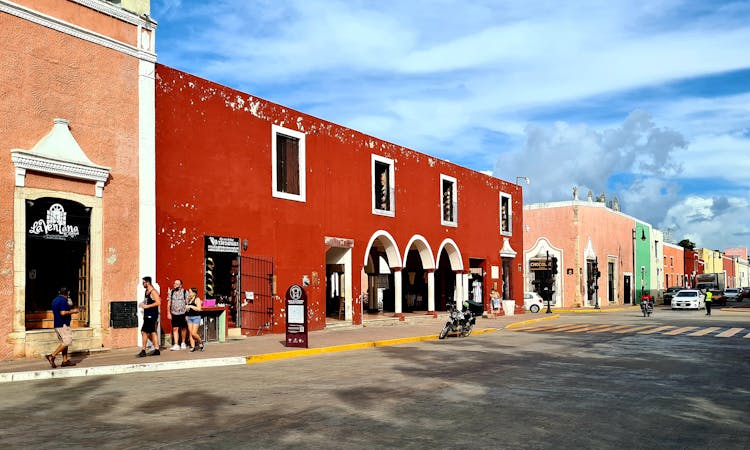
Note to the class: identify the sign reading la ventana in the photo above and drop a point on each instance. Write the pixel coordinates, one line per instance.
(57, 219)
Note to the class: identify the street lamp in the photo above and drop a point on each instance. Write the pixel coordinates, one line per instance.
(526, 179)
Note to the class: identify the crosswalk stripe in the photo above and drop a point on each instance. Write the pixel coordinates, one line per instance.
(704, 331)
(730, 332)
(747, 336)
(628, 330)
(611, 328)
(656, 330)
(563, 327)
(538, 327)
(679, 331)
(587, 329)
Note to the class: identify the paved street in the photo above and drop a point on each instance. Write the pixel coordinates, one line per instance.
(508, 389)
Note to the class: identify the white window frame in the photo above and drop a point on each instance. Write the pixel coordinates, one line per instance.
(392, 187)
(510, 214)
(302, 196)
(454, 197)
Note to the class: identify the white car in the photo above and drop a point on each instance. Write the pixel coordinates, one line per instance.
(689, 299)
(732, 293)
(532, 302)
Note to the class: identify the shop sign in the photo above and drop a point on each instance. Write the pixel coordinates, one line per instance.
(216, 244)
(339, 242)
(540, 264)
(48, 219)
(296, 316)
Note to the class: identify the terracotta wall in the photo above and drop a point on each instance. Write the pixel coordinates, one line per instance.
(674, 266)
(46, 74)
(214, 178)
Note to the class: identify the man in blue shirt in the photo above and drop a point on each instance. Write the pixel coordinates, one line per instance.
(61, 312)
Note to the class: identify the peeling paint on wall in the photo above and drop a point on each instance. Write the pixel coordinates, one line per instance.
(111, 256)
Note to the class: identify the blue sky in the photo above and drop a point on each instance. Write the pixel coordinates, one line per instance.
(647, 101)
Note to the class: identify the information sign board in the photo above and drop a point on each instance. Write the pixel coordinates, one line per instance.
(296, 316)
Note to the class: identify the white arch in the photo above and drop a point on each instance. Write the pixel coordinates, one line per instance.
(539, 250)
(391, 249)
(425, 252)
(454, 254)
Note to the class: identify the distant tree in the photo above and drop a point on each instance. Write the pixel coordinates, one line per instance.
(687, 243)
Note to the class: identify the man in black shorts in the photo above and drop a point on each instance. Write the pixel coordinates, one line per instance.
(150, 307)
(176, 308)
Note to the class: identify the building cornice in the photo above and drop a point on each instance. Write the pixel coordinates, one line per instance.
(109, 9)
(74, 30)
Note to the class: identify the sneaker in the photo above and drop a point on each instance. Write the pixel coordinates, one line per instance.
(51, 360)
(141, 354)
(201, 347)
(68, 363)
(174, 348)
(192, 349)
(155, 353)
(183, 346)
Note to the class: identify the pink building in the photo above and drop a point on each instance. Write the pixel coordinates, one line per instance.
(581, 234)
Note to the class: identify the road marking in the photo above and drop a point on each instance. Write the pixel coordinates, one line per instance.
(553, 328)
(572, 327)
(704, 331)
(587, 329)
(679, 331)
(730, 332)
(747, 336)
(611, 328)
(628, 330)
(656, 330)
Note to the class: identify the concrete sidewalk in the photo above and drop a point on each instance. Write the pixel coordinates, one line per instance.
(245, 351)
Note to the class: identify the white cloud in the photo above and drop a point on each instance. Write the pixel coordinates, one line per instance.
(716, 223)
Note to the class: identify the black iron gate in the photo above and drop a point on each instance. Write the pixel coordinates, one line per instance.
(256, 294)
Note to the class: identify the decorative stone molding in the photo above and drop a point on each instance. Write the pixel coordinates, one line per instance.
(507, 251)
(58, 153)
(109, 9)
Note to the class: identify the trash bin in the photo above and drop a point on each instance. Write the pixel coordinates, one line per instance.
(509, 307)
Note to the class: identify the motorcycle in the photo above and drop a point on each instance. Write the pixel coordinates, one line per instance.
(461, 322)
(647, 307)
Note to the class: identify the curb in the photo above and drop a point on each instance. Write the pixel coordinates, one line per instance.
(530, 321)
(120, 369)
(209, 362)
(595, 311)
(254, 359)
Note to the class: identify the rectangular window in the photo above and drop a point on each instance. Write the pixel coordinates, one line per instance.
(288, 163)
(506, 215)
(383, 201)
(448, 201)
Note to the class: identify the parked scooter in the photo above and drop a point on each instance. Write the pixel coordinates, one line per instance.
(461, 322)
(647, 305)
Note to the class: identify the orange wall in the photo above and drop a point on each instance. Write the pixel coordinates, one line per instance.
(674, 266)
(46, 74)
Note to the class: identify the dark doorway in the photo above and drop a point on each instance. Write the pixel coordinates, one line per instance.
(626, 289)
(445, 283)
(57, 255)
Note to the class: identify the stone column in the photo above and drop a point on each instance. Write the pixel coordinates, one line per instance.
(430, 290)
(397, 295)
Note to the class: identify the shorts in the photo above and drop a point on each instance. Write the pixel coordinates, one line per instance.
(178, 321)
(149, 325)
(64, 335)
(193, 320)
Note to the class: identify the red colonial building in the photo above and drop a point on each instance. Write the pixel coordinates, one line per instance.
(253, 197)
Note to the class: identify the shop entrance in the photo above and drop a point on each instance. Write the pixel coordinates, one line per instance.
(57, 255)
(222, 268)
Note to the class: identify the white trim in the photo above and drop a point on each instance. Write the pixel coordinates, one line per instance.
(146, 183)
(74, 30)
(510, 214)
(454, 198)
(391, 212)
(123, 14)
(456, 260)
(507, 251)
(302, 196)
(391, 251)
(425, 252)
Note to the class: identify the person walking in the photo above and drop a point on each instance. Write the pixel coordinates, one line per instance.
(62, 309)
(709, 299)
(150, 307)
(193, 318)
(176, 308)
